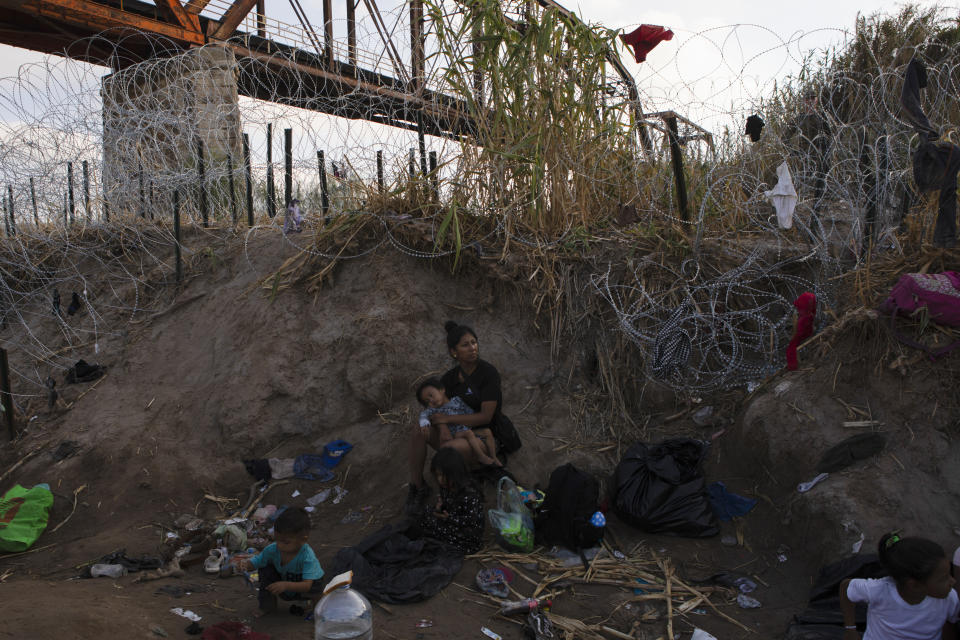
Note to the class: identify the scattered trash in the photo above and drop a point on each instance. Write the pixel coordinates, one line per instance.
(320, 497)
(490, 634)
(214, 561)
(334, 451)
(189, 615)
(745, 585)
(495, 581)
(803, 487)
(703, 417)
(309, 509)
(265, 513)
(729, 541)
(108, 570)
(782, 553)
(234, 538)
(569, 558)
(619, 555)
(752, 386)
(296, 492)
(157, 630)
(851, 527)
(523, 606)
(538, 626)
(748, 602)
(859, 543)
(341, 493)
(700, 611)
(172, 535)
(423, 624)
(638, 591)
(727, 505)
(24, 514)
(782, 388)
(700, 634)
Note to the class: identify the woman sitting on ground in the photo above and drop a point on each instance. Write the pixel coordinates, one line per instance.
(477, 383)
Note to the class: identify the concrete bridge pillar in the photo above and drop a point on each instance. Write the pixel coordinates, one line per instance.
(154, 113)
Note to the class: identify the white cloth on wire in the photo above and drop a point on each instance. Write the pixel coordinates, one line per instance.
(783, 196)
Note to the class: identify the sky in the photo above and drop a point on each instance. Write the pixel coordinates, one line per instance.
(739, 29)
(724, 58)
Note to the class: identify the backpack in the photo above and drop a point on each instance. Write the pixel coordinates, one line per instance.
(508, 440)
(564, 518)
(938, 292)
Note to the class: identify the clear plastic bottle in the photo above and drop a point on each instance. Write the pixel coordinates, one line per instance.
(343, 613)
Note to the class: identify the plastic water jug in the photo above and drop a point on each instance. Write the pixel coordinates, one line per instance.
(343, 613)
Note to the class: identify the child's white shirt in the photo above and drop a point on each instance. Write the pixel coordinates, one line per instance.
(890, 617)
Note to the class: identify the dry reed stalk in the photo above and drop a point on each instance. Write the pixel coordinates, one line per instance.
(76, 492)
(668, 578)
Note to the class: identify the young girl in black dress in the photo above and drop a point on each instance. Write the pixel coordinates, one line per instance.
(458, 516)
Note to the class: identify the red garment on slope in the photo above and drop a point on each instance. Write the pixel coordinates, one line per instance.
(806, 306)
(644, 38)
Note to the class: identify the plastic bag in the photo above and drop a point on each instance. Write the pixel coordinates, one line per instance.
(23, 516)
(511, 520)
(661, 489)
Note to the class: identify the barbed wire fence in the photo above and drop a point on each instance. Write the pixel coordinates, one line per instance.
(93, 164)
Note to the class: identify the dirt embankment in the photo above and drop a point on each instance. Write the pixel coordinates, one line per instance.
(225, 370)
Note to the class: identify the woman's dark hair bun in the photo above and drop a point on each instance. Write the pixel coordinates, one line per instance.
(455, 332)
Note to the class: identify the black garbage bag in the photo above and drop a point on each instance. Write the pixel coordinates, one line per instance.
(661, 489)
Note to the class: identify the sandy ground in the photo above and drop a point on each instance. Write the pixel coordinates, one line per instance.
(223, 370)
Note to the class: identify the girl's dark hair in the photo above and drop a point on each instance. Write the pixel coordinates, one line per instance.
(450, 463)
(907, 558)
(456, 331)
(429, 382)
(292, 521)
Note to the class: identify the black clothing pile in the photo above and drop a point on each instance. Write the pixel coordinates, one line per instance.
(84, 372)
(395, 567)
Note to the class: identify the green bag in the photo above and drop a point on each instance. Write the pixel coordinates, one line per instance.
(23, 516)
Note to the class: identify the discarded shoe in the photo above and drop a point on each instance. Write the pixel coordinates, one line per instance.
(215, 561)
(854, 448)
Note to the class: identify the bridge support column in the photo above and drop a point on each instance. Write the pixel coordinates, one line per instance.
(157, 110)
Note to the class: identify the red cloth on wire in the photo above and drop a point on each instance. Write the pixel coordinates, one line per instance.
(806, 306)
(644, 38)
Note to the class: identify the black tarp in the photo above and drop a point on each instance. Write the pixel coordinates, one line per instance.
(822, 619)
(395, 566)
